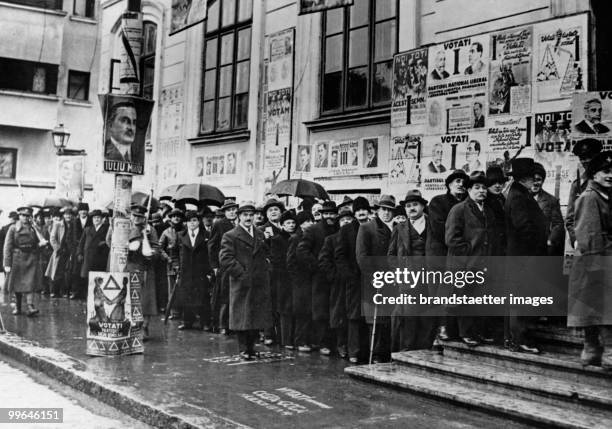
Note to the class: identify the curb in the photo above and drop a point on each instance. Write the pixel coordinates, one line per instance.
(72, 372)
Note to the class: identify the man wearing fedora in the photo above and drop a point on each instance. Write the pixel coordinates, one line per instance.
(220, 298)
(245, 256)
(64, 242)
(307, 253)
(169, 251)
(92, 251)
(373, 239)
(526, 234)
(585, 150)
(552, 211)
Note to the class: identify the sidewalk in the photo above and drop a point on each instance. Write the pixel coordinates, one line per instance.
(193, 379)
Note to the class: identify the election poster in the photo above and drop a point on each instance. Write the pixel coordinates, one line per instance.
(215, 166)
(280, 66)
(126, 119)
(122, 195)
(457, 66)
(110, 311)
(553, 149)
(409, 88)
(370, 154)
(508, 138)
(510, 71)
(278, 127)
(404, 156)
(321, 157)
(465, 112)
(187, 13)
(302, 164)
(560, 57)
(70, 177)
(592, 115)
(312, 6)
(344, 158)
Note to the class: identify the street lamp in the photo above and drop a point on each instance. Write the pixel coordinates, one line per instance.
(60, 138)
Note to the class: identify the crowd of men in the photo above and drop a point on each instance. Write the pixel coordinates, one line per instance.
(293, 277)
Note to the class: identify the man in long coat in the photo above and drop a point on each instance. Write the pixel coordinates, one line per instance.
(21, 253)
(220, 299)
(169, 250)
(373, 239)
(64, 243)
(244, 256)
(308, 253)
(192, 293)
(280, 278)
(552, 211)
(349, 274)
(81, 221)
(93, 250)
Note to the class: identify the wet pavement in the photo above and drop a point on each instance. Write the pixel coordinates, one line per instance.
(194, 373)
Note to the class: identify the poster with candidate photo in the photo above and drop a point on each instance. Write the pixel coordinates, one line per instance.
(187, 13)
(344, 158)
(592, 115)
(409, 88)
(70, 177)
(321, 157)
(312, 6)
(465, 112)
(303, 159)
(126, 119)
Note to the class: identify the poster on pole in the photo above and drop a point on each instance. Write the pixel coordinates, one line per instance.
(409, 88)
(312, 6)
(131, 50)
(110, 316)
(126, 119)
(187, 13)
(592, 115)
(70, 177)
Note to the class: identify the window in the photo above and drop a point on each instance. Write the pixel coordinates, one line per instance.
(227, 61)
(78, 85)
(147, 60)
(84, 8)
(358, 44)
(44, 4)
(114, 86)
(28, 76)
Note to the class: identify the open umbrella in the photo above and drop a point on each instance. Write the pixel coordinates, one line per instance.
(299, 188)
(51, 201)
(197, 193)
(140, 198)
(169, 191)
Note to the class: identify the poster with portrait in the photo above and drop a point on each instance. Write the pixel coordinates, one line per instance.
(112, 317)
(344, 158)
(409, 88)
(457, 66)
(371, 154)
(126, 119)
(510, 71)
(321, 157)
(312, 6)
(70, 179)
(249, 176)
(303, 159)
(278, 128)
(8, 163)
(231, 163)
(560, 57)
(553, 149)
(465, 111)
(592, 115)
(404, 156)
(280, 65)
(187, 13)
(215, 166)
(199, 166)
(508, 137)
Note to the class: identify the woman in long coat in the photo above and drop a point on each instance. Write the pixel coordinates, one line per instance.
(590, 294)
(21, 260)
(192, 293)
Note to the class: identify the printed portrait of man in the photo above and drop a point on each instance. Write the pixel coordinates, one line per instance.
(472, 152)
(121, 129)
(199, 170)
(69, 178)
(321, 159)
(435, 165)
(475, 59)
(371, 153)
(231, 163)
(591, 124)
(440, 72)
(303, 159)
(334, 158)
(479, 120)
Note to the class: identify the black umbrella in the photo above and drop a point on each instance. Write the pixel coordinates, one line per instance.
(140, 198)
(199, 193)
(169, 191)
(51, 201)
(300, 188)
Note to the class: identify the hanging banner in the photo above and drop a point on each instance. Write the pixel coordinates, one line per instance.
(311, 6)
(126, 119)
(70, 177)
(404, 157)
(592, 115)
(409, 88)
(109, 316)
(510, 66)
(187, 13)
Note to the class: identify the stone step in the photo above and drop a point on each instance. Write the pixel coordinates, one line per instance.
(551, 364)
(557, 335)
(438, 386)
(526, 384)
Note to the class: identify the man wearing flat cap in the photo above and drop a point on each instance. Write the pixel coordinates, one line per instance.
(92, 250)
(245, 256)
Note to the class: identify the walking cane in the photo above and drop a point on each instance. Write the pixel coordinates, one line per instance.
(373, 334)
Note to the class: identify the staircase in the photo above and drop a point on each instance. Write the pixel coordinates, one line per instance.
(551, 389)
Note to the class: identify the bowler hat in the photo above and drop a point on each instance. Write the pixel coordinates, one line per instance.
(156, 217)
(522, 167)
(477, 177)
(96, 212)
(457, 174)
(387, 201)
(361, 203)
(539, 169)
(495, 174)
(228, 204)
(190, 214)
(138, 210)
(25, 210)
(415, 195)
(288, 215)
(302, 217)
(206, 211)
(345, 202)
(176, 212)
(328, 207)
(66, 209)
(246, 206)
(273, 202)
(55, 212)
(345, 211)
(219, 213)
(587, 148)
(13, 215)
(82, 206)
(400, 211)
(602, 161)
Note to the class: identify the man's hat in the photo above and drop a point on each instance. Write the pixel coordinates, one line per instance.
(259, 209)
(415, 195)
(96, 212)
(328, 207)
(495, 174)
(206, 211)
(361, 203)
(345, 202)
(190, 214)
(176, 212)
(156, 217)
(477, 177)
(602, 161)
(316, 208)
(522, 167)
(246, 206)
(539, 169)
(400, 211)
(66, 209)
(25, 210)
(587, 148)
(138, 210)
(219, 213)
(287, 215)
(273, 202)
(13, 215)
(302, 217)
(82, 206)
(457, 174)
(345, 211)
(46, 211)
(55, 212)
(387, 201)
(228, 204)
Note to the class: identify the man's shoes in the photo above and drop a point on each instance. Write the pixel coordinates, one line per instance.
(172, 317)
(268, 342)
(72, 296)
(324, 351)
(353, 360)
(486, 340)
(591, 355)
(524, 348)
(470, 342)
(16, 312)
(443, 334)
(32, 311)
(246, 356)
(185, 326)
(52, 295)
(65, 295)
(304, 348)
(342, 352)
(288, 347)
(223, 331)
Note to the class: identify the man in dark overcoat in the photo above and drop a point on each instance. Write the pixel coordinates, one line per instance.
(349, 274)
(220, 299)
(169, 251)
(551, 208)
(244, 256)
(192, 290)
(496, 181)
(93, 251)
(308, 253)
(280, 279)
(373, 239)
(526, 235)
(64, 243)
